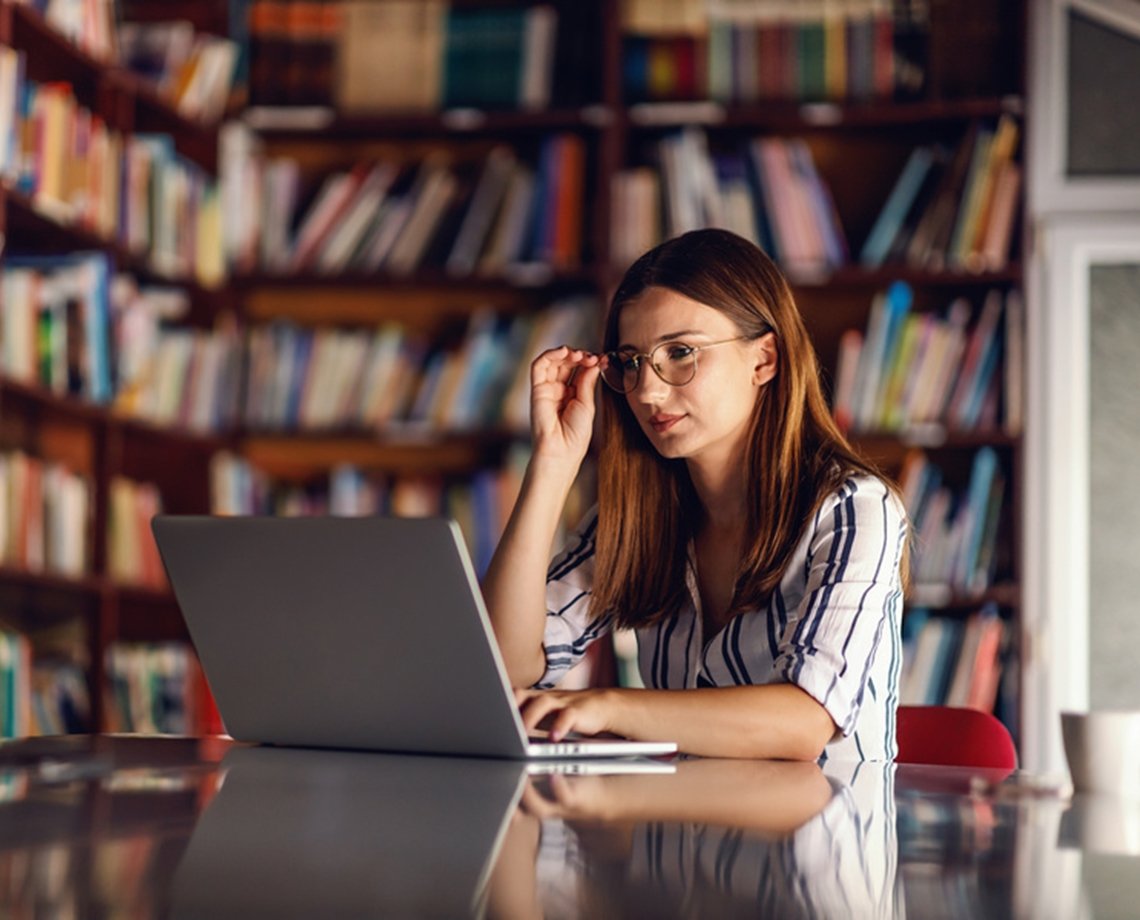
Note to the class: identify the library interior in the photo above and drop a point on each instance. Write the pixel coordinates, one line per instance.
(210, 210)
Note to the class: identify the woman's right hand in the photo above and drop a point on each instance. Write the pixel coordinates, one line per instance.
(562, 382)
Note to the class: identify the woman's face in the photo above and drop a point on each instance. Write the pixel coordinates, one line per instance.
(707, 419)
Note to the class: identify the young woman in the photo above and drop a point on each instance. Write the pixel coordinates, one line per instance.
(758, 558)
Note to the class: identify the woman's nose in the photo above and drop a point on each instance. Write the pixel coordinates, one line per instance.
(649, 384)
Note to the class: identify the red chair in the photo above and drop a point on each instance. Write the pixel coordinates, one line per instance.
(949, 736)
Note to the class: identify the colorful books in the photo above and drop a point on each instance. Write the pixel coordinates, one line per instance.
(956, 523)
(489, 216)
(917, 369)
(952, 662)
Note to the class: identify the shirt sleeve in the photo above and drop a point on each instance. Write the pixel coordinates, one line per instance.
(853, 588)
(569, 628)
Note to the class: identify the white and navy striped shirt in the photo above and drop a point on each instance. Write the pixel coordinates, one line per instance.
(831, 627)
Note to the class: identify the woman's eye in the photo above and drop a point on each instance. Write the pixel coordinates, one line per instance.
(679, 352)
(628, 362)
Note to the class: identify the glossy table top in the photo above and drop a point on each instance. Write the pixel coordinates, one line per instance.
(135, 827)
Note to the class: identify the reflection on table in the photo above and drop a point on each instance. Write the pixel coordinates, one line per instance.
(110, 827)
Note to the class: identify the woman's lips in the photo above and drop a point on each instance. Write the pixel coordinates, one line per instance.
(662, 423)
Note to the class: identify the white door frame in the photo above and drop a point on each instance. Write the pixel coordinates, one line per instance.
(1055, 599)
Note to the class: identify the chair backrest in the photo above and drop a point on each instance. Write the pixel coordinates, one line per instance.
(950, 736)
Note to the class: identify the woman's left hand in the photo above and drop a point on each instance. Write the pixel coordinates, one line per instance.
(588, 712)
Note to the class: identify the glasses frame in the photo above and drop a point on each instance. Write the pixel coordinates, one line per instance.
(697, 349)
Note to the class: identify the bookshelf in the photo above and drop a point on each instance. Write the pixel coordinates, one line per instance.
(564, 139)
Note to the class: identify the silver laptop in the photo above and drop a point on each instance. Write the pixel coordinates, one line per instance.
(357, 633)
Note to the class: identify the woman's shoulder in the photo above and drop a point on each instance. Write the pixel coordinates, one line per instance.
(862, 494)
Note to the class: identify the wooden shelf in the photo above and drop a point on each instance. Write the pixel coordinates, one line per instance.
(537, 277)
(88, 586)
(44, 43)
(943, 597)
(934, 437)
(75, 409)
(47, 402)
(195, 440)
(302, 457)
(855, 276)
(796, 116)
(304, 123)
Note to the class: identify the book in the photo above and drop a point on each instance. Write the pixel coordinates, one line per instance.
(389, 56)
(486, 200)
(889, 222)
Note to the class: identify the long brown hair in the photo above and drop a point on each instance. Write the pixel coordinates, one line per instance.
(648, 510)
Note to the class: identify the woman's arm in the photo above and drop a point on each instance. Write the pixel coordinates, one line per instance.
(514, 588)
(768, 721)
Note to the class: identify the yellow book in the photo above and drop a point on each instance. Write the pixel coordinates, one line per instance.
(834, 49)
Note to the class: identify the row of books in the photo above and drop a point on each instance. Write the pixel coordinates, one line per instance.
(55, 324)
(469, 379)
(45, 516)
(956, 210)
(193, 70)
(952, 662)
(135, 191)
(762, 50)
(396, 217)
(41, 692)
(168, 373)
(71, 329)
(157, 688)
(400, 55)
(955, 526)
(481, 503)
(960, 367)
(132, 555)
(769, 192)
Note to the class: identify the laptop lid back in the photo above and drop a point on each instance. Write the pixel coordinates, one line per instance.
(342, 632)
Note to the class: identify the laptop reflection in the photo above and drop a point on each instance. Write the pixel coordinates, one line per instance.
(307, 833)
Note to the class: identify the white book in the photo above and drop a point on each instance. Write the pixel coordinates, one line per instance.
(538, 57)
(282, 178)
(345, 237)
(379, 370)
(315, 225)
(430, 206)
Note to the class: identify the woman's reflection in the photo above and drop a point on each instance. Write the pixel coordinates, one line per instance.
(716, 838)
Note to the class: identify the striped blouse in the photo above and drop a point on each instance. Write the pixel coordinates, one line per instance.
(831, 627)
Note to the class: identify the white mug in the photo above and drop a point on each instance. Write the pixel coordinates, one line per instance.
(1103, 751)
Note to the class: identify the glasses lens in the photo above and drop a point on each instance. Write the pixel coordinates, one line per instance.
(676, 362)
(621, 371)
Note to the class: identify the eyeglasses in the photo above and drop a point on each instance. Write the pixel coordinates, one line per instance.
(674, 362)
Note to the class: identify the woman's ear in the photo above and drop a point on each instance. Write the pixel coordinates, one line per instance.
(767, 359)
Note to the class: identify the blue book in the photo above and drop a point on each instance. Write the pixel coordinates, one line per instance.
(982, 475)
(764, 205)
(896, 207)
(948, 647)
(302, 346)
(879, 352)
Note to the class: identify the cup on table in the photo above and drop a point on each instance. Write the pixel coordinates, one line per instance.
(1103, 751)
